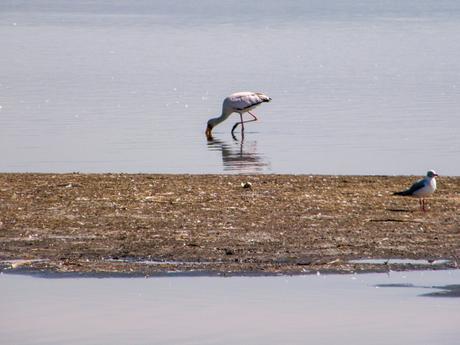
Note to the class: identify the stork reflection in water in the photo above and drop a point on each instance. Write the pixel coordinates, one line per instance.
(240, 156)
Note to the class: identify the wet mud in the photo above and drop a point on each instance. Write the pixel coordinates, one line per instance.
(222, 224)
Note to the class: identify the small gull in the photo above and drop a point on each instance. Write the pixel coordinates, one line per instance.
(422, 188)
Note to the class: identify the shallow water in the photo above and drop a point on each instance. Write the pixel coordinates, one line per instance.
(358, 87)
(318, 309)
(421, 262)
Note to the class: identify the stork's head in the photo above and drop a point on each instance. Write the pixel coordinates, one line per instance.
(209, 129)
(431, 173)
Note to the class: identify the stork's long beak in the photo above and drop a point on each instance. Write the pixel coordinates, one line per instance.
(208, 133)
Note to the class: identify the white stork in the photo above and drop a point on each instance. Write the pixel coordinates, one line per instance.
(240, 102)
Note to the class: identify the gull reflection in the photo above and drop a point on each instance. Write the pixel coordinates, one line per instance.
(240, 156)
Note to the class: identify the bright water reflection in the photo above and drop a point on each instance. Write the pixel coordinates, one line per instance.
(325, 309)
(240, 155)
(358, 86)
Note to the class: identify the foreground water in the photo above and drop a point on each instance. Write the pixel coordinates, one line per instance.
(358, 87)
(324, 309)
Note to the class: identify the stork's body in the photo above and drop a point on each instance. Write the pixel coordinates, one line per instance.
(240, 102)
(422, 188)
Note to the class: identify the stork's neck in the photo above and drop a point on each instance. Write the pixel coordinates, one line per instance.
(216, 120)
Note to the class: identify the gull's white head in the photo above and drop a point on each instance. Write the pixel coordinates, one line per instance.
(431, 174)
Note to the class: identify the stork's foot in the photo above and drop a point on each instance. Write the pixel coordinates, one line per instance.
(234, 126)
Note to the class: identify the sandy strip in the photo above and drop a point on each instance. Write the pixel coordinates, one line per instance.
(291, 224)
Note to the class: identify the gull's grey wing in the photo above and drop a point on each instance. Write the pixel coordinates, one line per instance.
(415, 187)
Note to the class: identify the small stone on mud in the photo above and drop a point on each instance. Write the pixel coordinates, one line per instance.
(246, 184)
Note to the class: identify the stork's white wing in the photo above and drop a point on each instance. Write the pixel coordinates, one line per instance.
(245, 100)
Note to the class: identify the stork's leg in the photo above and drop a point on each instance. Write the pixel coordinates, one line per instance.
(242, 122)
(234, 127)
(254, 117)
(239, 123)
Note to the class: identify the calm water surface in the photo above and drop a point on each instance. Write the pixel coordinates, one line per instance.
(331, 309)
(358, 87)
